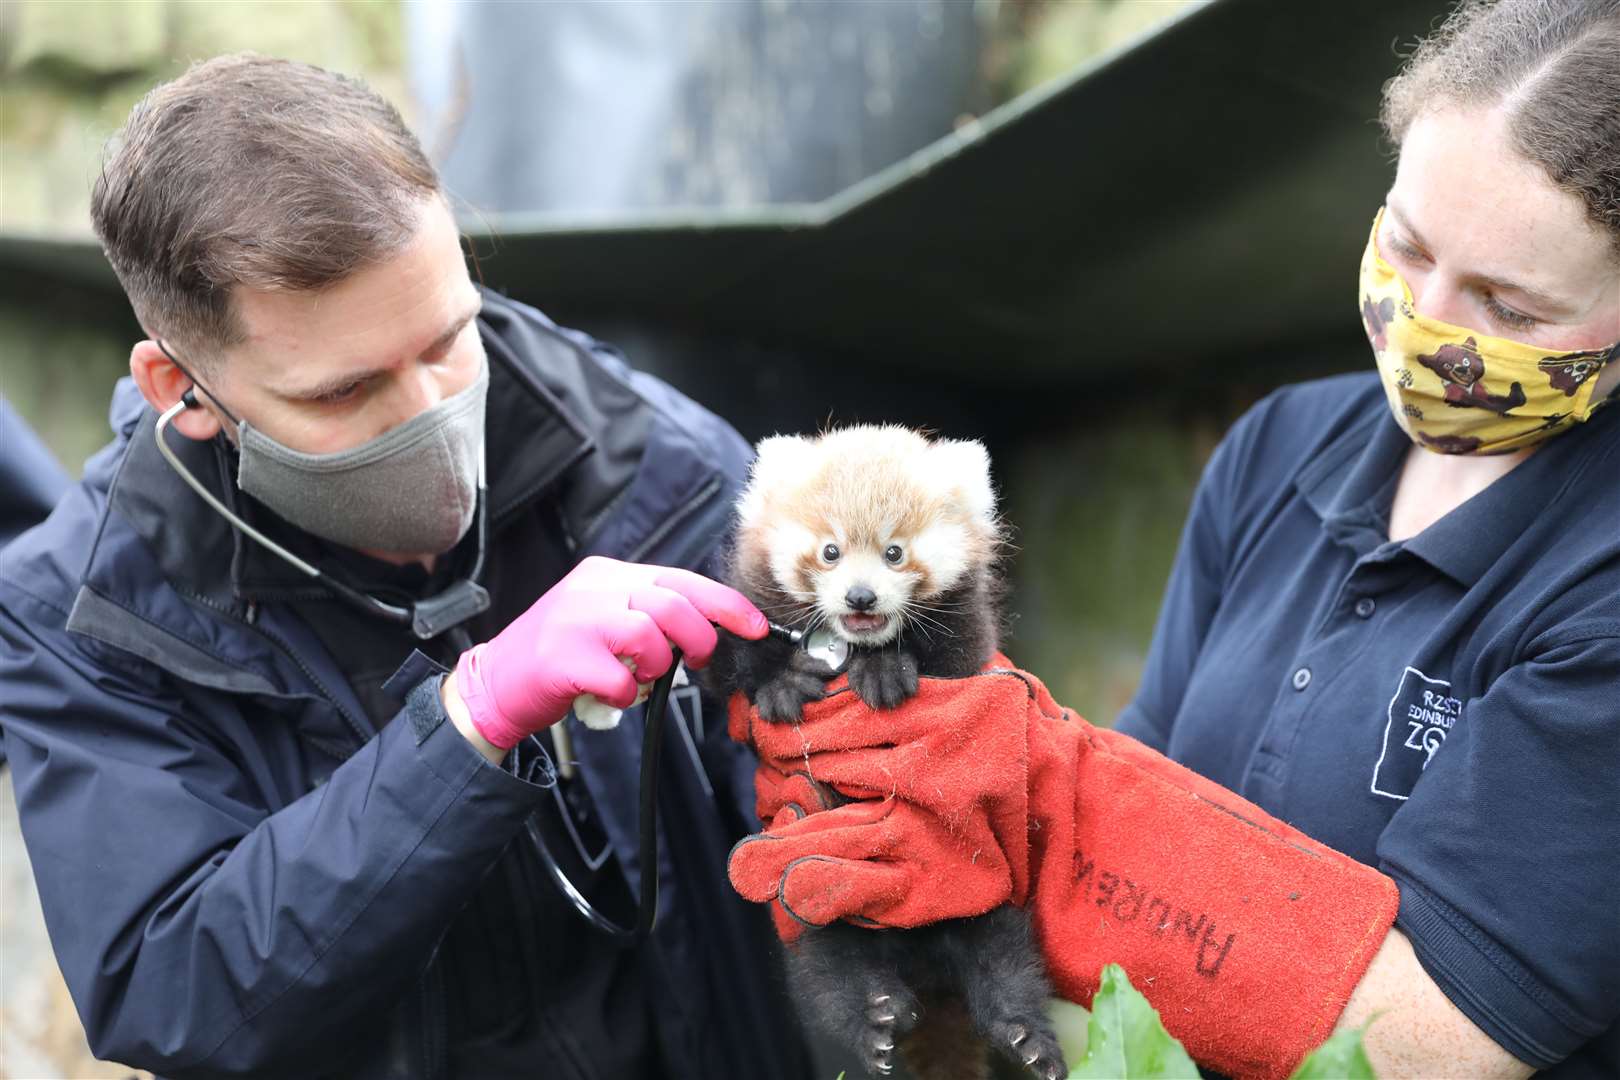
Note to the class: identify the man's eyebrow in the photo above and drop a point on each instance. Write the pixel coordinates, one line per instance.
(1549, 305)
(344, 380)
(456, 327)
(331, 386)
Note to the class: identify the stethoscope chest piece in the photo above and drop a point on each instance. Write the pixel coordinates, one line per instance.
(825, 645)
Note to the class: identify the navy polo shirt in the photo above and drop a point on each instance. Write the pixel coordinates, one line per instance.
(1445, 708)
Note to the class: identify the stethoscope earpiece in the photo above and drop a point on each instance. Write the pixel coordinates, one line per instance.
(189, 398)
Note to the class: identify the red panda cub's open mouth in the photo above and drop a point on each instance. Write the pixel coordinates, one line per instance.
(857, 623)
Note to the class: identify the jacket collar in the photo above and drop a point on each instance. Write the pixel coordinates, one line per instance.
(1351, 486)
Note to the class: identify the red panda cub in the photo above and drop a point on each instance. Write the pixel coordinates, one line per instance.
(882, 545)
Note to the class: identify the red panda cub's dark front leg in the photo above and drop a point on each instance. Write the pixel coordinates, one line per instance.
(782, 695)
(883, 678)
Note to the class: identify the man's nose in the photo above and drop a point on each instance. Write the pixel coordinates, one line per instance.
(860, 598)
(422, 389)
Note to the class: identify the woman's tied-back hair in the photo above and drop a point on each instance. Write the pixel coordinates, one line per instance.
(1553, 65)
(257, 172)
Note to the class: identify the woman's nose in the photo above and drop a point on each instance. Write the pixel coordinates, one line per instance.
(1436, 297)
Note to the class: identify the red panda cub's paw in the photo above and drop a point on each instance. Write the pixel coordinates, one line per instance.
(781, 698)
(883, 678)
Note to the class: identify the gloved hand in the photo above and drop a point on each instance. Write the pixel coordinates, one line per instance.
(874, 862)
(944, 751)
(574, 640)
(1245, 934)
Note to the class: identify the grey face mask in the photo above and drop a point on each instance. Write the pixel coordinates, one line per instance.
(413, 489)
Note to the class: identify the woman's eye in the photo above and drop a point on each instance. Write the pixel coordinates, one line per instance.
(830, 553)
(1506, 315)
(893, 555)
(1403, 249)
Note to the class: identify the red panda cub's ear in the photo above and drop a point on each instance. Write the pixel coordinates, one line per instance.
(964, 465)
(781, 463)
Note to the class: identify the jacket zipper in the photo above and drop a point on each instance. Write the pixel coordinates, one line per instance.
(361, 735)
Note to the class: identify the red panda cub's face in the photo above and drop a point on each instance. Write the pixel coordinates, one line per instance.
(864, 529)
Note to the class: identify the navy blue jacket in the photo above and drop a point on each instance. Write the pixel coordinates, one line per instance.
(241, 874)
(1445, 707)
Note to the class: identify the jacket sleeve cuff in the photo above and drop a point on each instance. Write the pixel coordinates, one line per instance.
(525, 769)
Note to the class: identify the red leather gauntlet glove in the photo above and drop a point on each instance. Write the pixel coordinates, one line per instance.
(1245, 934)
(875, 862)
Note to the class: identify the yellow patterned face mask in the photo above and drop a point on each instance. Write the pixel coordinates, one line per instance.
(1455, 391)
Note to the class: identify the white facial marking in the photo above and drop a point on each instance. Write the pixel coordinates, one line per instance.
(943, 548)
(786, 542)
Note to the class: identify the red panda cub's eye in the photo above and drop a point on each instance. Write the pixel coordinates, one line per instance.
(894, 555)
(830, 553)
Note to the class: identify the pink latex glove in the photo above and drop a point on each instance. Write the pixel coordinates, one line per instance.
(579, 636)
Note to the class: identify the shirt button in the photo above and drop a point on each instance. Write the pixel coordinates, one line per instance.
(1302, 678)
(1366, 606)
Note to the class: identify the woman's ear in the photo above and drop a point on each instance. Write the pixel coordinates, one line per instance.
(162, 384)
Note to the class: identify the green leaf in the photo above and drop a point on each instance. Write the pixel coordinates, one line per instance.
(1340, 1058)
(1125, 1039)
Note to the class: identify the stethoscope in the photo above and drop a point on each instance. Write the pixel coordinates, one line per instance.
(466, 598)
(821, 643)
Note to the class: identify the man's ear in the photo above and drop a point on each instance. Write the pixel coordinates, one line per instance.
(161, 384)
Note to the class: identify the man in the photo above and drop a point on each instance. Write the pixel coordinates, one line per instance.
(260, 845)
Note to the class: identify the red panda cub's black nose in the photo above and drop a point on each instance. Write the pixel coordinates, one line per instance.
(860, 598)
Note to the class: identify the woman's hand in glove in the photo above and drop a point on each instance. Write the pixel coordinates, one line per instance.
(875, 862)
(1246, 934)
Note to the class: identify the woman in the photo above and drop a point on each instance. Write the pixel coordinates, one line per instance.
(1394, 623)
(1437, 634)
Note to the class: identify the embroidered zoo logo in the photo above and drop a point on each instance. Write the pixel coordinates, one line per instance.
(1421, 714)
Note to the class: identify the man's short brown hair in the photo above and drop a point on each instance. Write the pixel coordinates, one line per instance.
(258, 172)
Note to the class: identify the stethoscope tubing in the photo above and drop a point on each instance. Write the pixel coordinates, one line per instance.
(652, 744)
